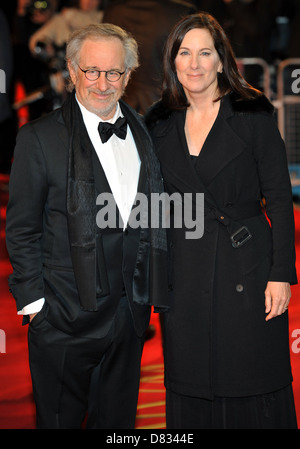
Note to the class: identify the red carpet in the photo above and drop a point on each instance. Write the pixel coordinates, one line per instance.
(16, 404)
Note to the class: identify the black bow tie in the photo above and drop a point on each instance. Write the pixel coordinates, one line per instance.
(106, 130)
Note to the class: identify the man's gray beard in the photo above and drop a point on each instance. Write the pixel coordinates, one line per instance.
(104, 113)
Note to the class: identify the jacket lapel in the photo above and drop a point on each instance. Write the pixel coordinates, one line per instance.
(222, 145)
(141, 141)
(173, 153)
(63, 133)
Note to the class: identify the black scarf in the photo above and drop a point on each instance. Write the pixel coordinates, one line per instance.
(81, 211)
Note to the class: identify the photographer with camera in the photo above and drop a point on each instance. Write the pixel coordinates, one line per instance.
(29, 17)
(56, 32)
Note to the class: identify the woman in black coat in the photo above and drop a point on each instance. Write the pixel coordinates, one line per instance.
(226, 339)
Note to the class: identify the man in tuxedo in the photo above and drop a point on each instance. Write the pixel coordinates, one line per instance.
(86, 288)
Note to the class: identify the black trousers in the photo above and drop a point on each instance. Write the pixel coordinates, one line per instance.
(73, 377)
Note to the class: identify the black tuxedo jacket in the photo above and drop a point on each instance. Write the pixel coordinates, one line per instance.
(38, 241)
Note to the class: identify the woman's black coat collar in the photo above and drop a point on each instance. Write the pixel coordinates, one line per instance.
(231, 103)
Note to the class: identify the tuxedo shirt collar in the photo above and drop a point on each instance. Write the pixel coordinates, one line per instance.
(119, 158)
(94, 119)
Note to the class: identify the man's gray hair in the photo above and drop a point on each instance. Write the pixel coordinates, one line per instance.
(98, 32)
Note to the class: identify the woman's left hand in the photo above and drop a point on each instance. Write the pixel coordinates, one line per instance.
(277, 298)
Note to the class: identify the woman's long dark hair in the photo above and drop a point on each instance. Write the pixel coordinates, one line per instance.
(173, 95)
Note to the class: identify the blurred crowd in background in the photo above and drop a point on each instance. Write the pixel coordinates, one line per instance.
(34, 35)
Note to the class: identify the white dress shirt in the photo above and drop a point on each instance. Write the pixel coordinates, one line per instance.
(121, 164)
(119, 159)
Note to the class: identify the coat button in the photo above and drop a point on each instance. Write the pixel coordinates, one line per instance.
(239, 288)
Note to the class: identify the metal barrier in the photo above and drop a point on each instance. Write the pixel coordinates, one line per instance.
(285, 97)
(288, 106)
(264, 81)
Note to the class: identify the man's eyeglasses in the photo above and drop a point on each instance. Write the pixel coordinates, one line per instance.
(110, 75)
